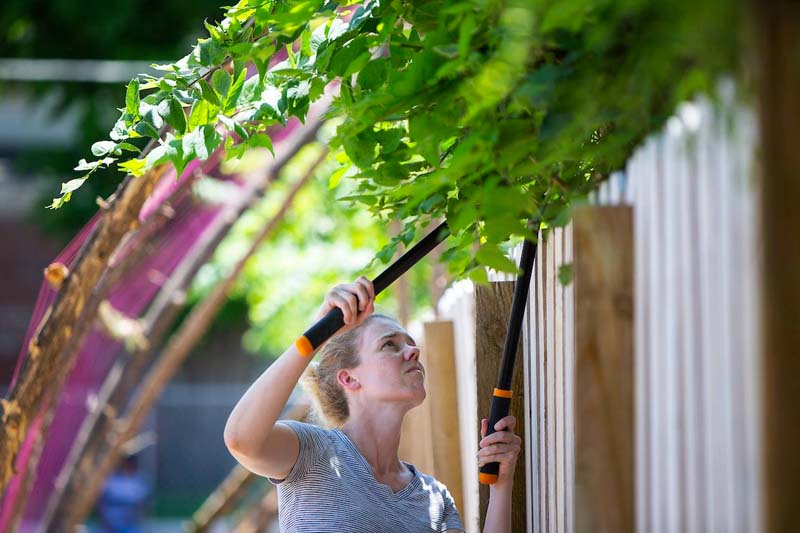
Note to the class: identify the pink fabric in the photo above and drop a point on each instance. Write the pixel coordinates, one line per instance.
(132, 295)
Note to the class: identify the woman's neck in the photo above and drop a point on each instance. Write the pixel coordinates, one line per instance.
(377, 436)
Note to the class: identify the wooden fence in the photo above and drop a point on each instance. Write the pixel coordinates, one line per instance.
(641, 375)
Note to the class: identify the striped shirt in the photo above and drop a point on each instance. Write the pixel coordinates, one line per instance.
(332, 488)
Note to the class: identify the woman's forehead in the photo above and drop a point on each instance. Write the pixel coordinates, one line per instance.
(384, 327)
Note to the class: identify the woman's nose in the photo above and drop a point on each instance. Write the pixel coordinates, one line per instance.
(412, 352)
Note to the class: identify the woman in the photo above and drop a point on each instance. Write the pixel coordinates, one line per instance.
(349, 478)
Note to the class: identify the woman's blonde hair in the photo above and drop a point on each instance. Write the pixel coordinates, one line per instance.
(341, 351)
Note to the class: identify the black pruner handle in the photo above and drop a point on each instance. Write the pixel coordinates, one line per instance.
(320, 332)
(501, 404)
(334, 320)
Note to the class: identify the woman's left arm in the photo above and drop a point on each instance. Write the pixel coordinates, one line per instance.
(502, 447)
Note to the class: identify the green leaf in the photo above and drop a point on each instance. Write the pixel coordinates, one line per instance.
(132, 98)
(156, 156)
(373, 75)
(208, 52)
(565, 274)
(350, 58)
(491, 256)
(359, 149)
(213, 31)
(208, 93)
(221, 81)
(235, 89)
(102, 148)
(261, 140)
(72, 185)
(234, 126)
(127, 146)
(175, 116)
(134, 167)
(479, 275)
(202, 113)
(144, 128)
(202, 142)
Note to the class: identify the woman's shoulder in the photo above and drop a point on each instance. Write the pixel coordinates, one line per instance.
(307, 431)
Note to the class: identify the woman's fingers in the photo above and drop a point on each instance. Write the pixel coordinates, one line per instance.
(507, 458)
(499, 448)
(356, 300)
(507, 423)
(499, 436)
(346, 301)
(367, 284)
(362, 293)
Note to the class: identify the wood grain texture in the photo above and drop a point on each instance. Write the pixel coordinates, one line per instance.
(492, 309)
(777, 64)
(440, 365)
(603, 255)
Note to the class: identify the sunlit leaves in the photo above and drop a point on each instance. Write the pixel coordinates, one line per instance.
(132, 97)
(487, 114)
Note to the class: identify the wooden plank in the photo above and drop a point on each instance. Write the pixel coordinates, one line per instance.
(637, 176)
(440, 366)
(492, 308)
(670, 359)
(557, 244)
(569, 376)
(691, 349)
(529, 344)
(657, 415)
(725, 371)
(541, 389)
(457, 304)
(776, 62)
(604, 369)
(550, 376)
(749, 324)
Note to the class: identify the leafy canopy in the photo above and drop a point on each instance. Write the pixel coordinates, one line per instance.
(486, 112)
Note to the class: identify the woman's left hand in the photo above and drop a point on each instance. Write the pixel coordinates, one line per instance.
(502, 447)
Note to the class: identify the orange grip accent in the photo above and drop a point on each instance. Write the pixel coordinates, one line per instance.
(502, 393)
(487, 479)
(303, 346)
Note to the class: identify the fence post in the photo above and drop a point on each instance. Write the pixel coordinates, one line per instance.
(440, 366)
(492, 309)
(604, 451)
(777, 65)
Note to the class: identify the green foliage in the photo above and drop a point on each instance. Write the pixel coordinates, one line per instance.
(487, 113)
(319, 243)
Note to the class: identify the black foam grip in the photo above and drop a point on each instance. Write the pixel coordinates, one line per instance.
(334, 320)
(325, 327)
(500, 408)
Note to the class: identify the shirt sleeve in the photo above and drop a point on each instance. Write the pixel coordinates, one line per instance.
(451, 520)
(314, 442)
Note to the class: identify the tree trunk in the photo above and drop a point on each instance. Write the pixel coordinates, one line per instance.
(53, 348)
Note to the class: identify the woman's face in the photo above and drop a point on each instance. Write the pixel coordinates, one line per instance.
(390, 369)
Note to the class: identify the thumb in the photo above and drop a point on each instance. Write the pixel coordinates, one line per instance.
(484, 427)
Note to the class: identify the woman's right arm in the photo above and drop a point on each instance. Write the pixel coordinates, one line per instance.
(252, 434)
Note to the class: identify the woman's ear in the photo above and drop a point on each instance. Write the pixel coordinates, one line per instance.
(347, 380)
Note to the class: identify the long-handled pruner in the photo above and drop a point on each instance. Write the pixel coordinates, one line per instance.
(501, 398)
(334, 320)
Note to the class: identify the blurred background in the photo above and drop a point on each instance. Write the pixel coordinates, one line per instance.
(63, 70)
(697, 391)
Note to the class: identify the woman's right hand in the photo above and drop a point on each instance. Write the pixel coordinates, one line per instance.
(356, 300)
